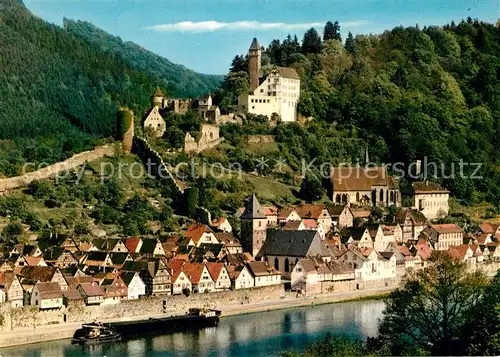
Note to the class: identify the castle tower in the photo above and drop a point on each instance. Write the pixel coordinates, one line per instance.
(125, 128)
(158, 98)
(254, 62)
(253, 227)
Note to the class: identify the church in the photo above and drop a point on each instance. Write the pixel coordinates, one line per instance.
(275, 96)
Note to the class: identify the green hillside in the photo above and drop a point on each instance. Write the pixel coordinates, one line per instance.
(178, 80)
(59, 93)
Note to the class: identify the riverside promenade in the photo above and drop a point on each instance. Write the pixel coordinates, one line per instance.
(66, 330)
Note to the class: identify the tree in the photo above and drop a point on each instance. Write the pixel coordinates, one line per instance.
(311, 42)
(332, 31)
(311, 189)
(432, 309)
(350, 44)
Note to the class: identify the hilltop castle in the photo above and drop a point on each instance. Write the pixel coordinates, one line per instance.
(277, 94)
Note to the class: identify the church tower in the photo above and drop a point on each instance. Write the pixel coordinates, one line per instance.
(253, 227)
(158, 98)
(254, 62)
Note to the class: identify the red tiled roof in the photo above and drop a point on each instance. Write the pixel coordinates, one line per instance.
(92, 289)
(310, 224)
(446, 228)
(292, 225)
(32, 261)
(310, 210)
(132, 243)
(270, 210)
(195, 231)
(214, 269)
(193, 271)
(458, 252)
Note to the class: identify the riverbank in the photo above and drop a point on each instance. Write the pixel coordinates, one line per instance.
(66, 330)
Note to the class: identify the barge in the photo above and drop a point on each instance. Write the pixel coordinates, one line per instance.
(94, 333)
(195, 319)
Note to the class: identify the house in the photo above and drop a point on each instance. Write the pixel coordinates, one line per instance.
(153, 121)
(364, 186)
(361, 237)
(271, 213)
(133, 245)
(488, 228)
(207, 252)
(151, 247)
(231, 244)
(26, 249)
(98, 259)
(484, 238)
(283, 249)
(360, 214)
(341, 215)
(444, 236)
(31, 275)
(91, 292)
(11, 286)
(241, 278)
(222, 224)
(70, 245)
(87, 247)
(220, 276)
(118, 259)
(47, 296)
(411, 221)
(197, 234)
(180, 281)
(34, 261)
(135, 286)
(114, 288)
(494, 251)
(66, 259)
(462, 252)
(72, 298)
(431, 199)
(263, 274)
(199, 276)
(369, 264)
(288, 214)
(317, 212)
(154, 273)
(392, 233)
(310, 273)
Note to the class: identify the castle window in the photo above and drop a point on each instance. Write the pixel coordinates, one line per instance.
(287, 265)
(253, 107)
(276, 263)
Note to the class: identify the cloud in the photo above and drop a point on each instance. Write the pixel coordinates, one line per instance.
(211, 26)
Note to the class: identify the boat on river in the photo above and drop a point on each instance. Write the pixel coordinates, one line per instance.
(94, 333)
(194, 319)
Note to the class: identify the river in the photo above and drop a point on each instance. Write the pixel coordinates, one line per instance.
(260, 334)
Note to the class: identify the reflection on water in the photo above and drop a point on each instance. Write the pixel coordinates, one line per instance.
(262, 334)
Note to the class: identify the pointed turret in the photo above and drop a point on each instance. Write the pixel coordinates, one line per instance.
(255, 45)
(253, 210)
(158, 98)
(254, 62)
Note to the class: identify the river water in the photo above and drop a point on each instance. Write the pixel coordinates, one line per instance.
(258, 335)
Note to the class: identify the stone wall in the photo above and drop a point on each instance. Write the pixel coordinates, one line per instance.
(150, 156)
(27, 317)
(52, 170)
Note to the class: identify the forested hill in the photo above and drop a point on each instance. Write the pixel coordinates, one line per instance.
(53, 82)
(176, 78)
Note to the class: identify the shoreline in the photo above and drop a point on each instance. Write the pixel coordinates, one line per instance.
(65, 331)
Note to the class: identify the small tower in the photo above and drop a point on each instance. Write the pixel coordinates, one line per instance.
(254, 62)
(253, 227)
(125, 128)
(158, 98)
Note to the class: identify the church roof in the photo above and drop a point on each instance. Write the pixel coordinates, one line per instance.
(255, 44)
(253, 210)
(293, 244)
(158, 93)
(355, 178)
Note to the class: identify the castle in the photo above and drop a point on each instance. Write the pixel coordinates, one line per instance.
(276, 95)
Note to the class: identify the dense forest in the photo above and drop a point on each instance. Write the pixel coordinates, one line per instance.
(59, 92)
(409, 93)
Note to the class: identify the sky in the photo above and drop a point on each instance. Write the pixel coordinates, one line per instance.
(205, 35)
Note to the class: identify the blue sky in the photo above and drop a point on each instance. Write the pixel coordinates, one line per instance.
(205, 35)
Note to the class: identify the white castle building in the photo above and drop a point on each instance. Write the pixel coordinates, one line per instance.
(277, 94)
